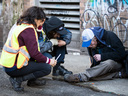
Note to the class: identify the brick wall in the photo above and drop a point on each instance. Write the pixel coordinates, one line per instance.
(28, 3)
(12, 9)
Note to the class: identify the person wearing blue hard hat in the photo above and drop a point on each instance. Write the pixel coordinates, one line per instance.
(106, 52)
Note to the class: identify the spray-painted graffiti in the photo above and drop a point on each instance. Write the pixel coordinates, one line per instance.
(109, 14)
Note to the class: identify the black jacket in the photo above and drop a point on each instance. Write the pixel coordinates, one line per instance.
(47, 45)
(112, 49)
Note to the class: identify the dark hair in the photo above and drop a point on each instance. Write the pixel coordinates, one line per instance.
(51, 34)
(31, 14)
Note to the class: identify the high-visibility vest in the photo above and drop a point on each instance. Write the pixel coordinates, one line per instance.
(11, 49)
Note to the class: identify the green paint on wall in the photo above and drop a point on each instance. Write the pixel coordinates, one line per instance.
(91, 0)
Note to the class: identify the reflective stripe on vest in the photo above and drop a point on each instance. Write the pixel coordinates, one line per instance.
(11, 49)
(44, 35)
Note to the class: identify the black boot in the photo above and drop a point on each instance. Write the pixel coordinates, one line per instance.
(55, 72)
(70, 72)
(63, 71)
(36, 82)
(16, 82)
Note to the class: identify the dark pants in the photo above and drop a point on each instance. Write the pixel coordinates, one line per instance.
(55, 53)
(38, 69)
(59, 50)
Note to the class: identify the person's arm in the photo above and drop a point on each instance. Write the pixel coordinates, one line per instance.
(45, 46)
(67, 38)
(119, 50)
(27, 38)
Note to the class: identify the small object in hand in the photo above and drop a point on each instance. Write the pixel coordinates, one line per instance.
(58, 57)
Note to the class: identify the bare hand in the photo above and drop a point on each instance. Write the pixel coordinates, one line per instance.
(53, 62)
(97, 57)
(61, 43)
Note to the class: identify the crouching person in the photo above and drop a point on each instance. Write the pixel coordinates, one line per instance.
(106, 52)
(57, 39)
(21, 57)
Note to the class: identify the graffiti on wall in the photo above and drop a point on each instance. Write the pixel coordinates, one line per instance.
(109, 14)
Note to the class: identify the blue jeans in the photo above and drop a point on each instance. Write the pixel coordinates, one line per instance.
(47, 55)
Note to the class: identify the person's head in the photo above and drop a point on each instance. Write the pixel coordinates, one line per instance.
(54, 26)
(88, 38)
(33, 15)
(53, 34)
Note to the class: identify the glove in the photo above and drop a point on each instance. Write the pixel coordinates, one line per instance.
(54, 42)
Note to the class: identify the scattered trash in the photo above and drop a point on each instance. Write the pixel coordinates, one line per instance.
(76, 53)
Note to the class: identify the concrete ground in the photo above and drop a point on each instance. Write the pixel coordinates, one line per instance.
(75, 63)
(78, 63)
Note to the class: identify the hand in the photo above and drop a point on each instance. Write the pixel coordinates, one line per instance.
(53, 62)
(54, 42)
(61, 43)
(97, 57)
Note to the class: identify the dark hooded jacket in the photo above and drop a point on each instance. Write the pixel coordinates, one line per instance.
(109, 44)
(47, 45)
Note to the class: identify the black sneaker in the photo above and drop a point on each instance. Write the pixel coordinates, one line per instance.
(55, 73)
(69, 72)
(63, 71)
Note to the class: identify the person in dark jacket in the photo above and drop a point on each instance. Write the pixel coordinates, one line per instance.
(53, 42)
(106, 52)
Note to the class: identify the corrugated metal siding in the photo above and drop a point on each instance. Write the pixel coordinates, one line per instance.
(68, 12)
